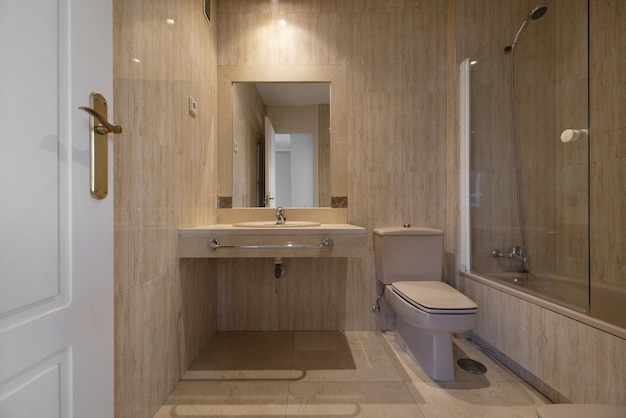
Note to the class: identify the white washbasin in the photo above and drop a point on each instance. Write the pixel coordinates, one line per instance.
(273, 224)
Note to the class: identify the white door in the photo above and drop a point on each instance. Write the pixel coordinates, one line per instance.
(56, 241)
(302, 170)
(270, 163)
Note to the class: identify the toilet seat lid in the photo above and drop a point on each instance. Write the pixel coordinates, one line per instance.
(435, 297)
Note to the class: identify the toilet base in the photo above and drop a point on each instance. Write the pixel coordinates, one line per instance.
(432, 352)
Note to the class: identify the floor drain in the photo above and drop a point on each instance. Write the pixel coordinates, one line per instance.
(471, 366)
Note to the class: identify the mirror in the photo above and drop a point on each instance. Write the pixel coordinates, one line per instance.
(334, 76)
(281, 144)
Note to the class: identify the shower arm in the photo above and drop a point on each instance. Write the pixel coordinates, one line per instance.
(534, 14)
(519, 33)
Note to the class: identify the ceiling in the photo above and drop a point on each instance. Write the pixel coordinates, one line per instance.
(294, 94)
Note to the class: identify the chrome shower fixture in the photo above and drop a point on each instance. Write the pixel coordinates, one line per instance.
(534, 14)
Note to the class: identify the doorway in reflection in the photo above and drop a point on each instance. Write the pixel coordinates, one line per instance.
(295, 184)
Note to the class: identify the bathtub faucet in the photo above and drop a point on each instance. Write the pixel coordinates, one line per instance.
(516, 253)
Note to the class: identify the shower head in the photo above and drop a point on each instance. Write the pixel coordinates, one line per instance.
(537, 12)
(534, 14)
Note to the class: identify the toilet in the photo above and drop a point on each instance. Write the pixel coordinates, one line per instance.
(409, 262)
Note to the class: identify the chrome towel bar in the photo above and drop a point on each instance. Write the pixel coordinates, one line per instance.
(325, 245)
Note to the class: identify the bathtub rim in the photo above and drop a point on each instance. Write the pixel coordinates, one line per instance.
(554, 307)
(559, 279)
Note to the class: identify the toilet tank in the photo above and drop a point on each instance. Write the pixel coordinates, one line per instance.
(408, 254)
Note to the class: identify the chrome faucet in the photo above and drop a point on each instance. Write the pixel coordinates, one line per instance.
(280, 216)
(516, 253)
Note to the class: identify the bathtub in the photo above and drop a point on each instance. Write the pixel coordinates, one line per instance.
(605, 301)
(539, 339)
(558, 289)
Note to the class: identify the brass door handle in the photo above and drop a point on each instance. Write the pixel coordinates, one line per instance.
(99, 128)
(104, 127)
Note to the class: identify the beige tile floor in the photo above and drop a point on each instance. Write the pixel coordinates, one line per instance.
(338, 374)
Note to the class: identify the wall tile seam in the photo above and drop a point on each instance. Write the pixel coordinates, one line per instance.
(174, 273)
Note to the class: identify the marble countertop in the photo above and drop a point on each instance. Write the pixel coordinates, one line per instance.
(230, 229)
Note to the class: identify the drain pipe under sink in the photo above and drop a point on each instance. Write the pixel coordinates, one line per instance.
(279, 269)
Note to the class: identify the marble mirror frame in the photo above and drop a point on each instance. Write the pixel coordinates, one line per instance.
(335, 75)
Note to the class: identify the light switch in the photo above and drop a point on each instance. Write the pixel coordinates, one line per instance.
(193, 106)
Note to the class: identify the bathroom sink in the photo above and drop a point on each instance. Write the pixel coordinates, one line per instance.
(265, 239)
(273, 224)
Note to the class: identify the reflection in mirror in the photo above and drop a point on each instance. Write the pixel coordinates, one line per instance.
(281, 144)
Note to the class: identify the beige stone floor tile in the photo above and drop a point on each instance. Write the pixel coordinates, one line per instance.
(365, 340)
(465, 344)
(219, 399)
(320, 341)
(495, 400)
(338, 374)
(241, 375)
(496, 372)
(406, 367)
(250, 340)
(412, 372)
(346, 366)
(241, 364)
(350, 399)
(336, 340)
(244, 355)
(260, 359)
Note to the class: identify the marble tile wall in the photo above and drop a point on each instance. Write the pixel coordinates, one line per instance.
(259, 301)
(247, 125)
(608, 143)
(395, 55)
(164, 179)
